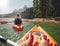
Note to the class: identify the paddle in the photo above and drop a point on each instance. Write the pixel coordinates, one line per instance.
(6, 41)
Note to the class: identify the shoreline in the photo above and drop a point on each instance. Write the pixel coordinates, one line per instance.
(43, 20)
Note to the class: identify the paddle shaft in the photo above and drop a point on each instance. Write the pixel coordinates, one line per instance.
(9, 42)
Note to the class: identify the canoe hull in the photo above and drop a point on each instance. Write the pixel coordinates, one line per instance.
(3, 22)
(47, 37)
(18, 28)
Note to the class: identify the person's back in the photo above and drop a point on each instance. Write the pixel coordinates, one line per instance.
(17, 20)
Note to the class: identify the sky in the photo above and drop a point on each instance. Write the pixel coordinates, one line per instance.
(7, 6)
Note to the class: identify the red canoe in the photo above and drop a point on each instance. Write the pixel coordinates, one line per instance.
(3, 22)
(18, 28)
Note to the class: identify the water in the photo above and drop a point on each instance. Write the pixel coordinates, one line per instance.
(8, 32)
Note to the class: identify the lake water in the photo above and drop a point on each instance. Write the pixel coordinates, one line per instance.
(8, 32)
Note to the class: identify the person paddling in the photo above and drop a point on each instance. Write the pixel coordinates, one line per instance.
(17, 20)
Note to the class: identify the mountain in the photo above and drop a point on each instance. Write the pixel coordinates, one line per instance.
(13, 14)
(19, 10)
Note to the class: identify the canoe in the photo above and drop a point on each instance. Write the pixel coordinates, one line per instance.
(3, 22)
(47, 37)
(26, 20)
(18, 27)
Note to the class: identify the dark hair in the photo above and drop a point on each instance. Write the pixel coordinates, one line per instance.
(17, 14)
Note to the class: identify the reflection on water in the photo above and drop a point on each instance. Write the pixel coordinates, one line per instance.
(6, 19)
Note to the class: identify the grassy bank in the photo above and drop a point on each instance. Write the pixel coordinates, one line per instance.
(52, 28)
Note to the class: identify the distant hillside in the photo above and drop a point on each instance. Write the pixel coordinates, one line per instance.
(19, 10)
(13, 14)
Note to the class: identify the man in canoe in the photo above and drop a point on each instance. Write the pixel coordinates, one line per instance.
(17, 20)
